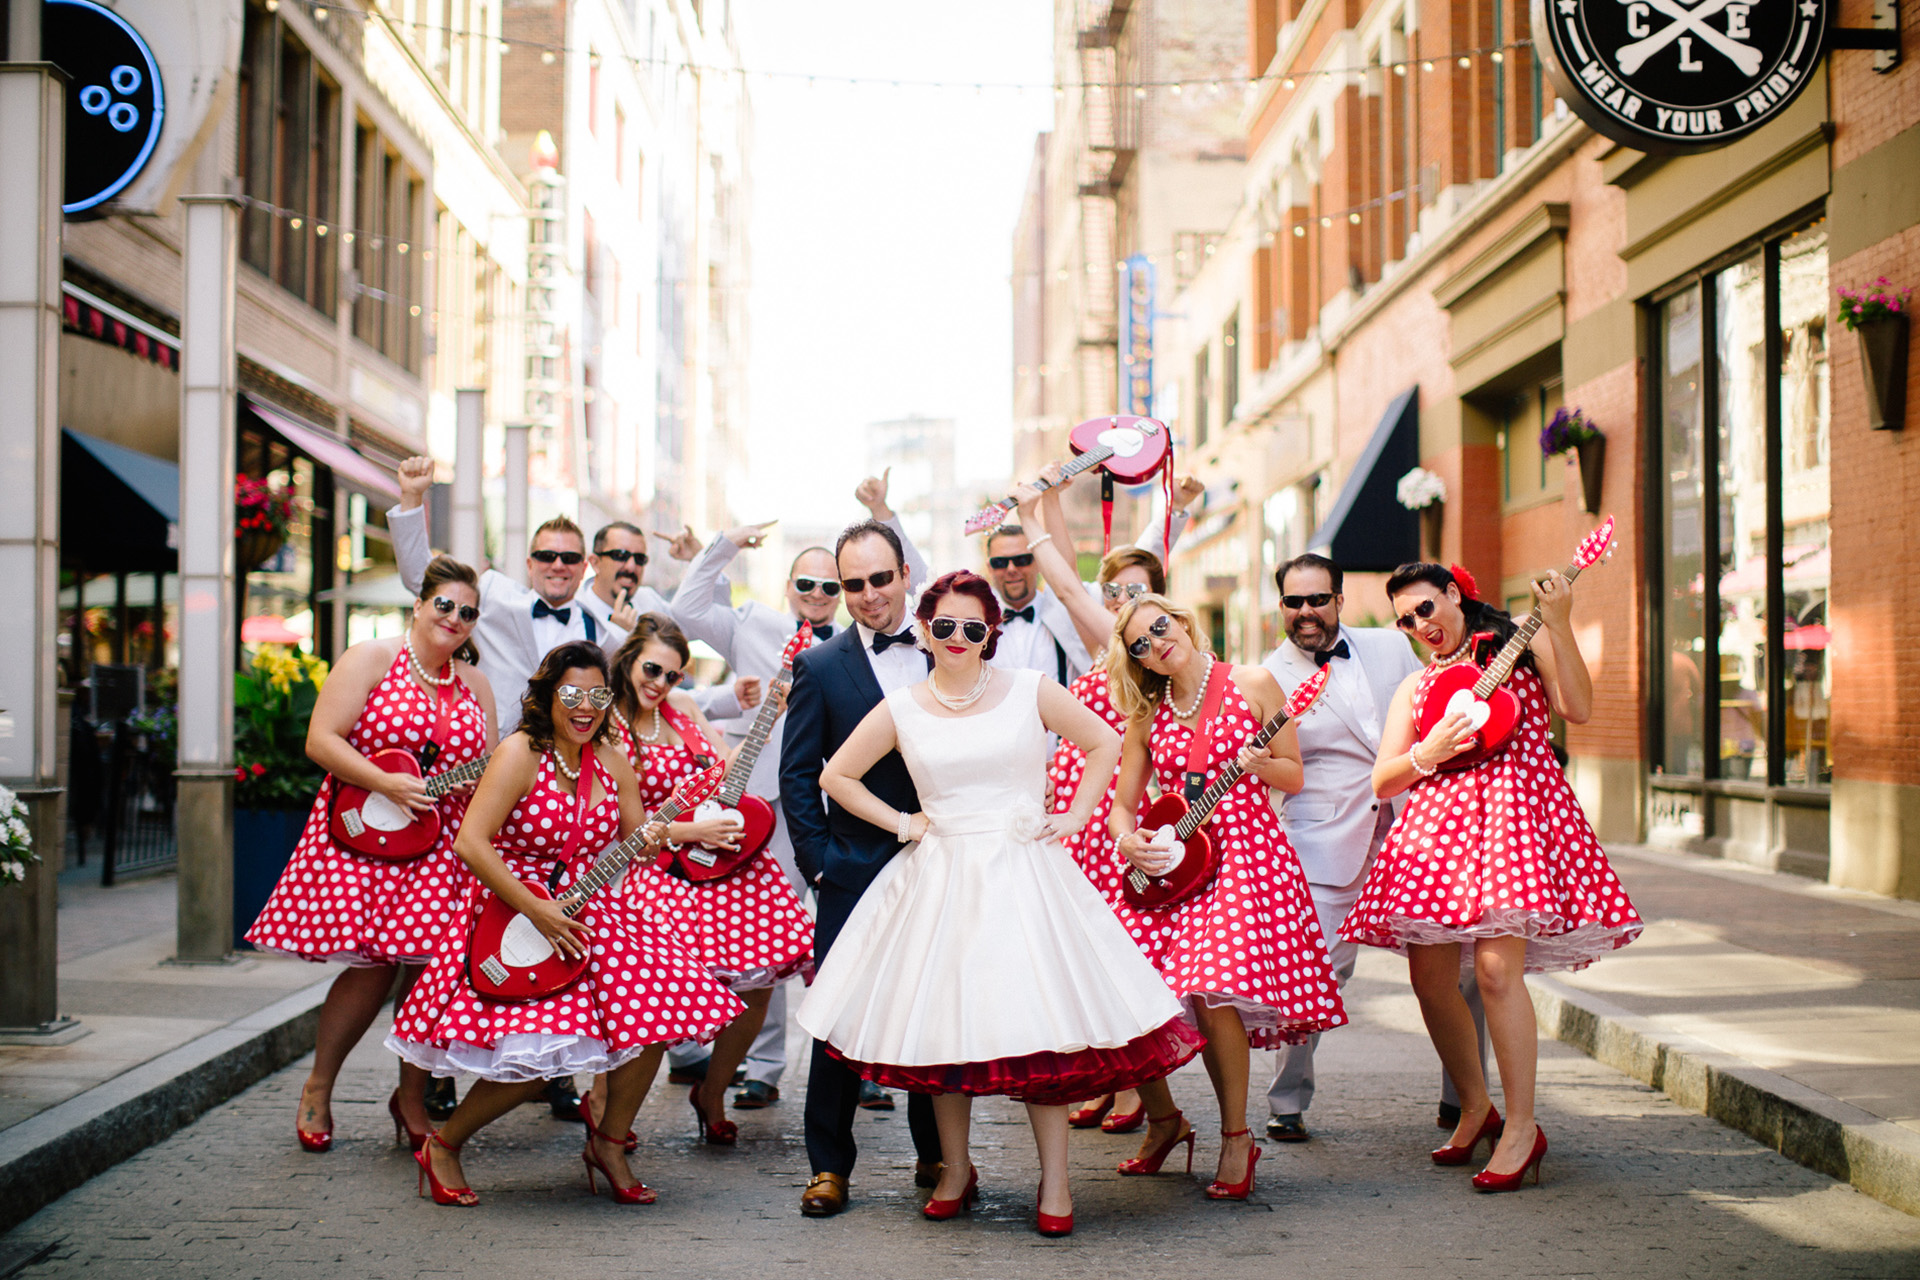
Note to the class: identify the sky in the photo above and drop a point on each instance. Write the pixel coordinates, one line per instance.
(882, 232)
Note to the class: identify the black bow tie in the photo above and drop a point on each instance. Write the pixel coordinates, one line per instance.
(881, 640)
(1339, 650)
(821, 630)
(541, 609)
(1011, 614)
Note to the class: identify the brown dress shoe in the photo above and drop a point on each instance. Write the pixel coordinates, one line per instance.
(825, 1195)
(926, 1173)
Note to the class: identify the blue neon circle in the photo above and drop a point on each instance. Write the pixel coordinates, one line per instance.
(159, 107)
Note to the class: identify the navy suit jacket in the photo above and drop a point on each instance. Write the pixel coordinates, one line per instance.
(833, 690)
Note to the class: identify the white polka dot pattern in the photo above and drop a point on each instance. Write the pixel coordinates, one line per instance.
(1091, 846)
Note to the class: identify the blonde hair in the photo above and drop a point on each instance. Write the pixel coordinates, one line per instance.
(1132, 688)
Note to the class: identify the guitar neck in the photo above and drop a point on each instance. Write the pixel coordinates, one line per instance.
(1210, 798)
(609, 865)
(1085, 462)
(1509, 656)
(458, 776)
(744, 759)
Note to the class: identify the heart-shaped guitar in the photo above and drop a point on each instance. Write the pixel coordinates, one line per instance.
(1129, 449)
(370, 824)
(1173, 821)
(509, 961)
(1479, 693)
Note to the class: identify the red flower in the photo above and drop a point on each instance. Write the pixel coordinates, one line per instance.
(240, 773)
(259, 770)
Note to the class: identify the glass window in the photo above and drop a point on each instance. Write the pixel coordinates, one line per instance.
(1682, 520)
(1740, 345)
(1804, 503)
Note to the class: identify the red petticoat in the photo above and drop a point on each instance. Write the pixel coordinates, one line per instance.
(1049, 1078)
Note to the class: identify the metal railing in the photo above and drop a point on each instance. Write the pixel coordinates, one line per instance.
(138, 826)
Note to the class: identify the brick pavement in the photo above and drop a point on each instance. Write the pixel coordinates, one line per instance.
(1634, 1186)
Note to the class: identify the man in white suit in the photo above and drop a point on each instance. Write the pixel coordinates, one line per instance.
(1335, 823)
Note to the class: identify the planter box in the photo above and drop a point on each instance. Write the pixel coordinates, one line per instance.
(1883, 356)
(263, 843)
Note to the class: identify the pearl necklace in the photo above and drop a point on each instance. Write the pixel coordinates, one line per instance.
(961, 701)
(1461, 652)
(406, 645)
(560, 767)
(1192, 708)
(651, 738)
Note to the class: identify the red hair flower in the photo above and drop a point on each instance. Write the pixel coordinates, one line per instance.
(1464, 580)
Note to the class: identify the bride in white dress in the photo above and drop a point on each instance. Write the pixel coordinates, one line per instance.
(981, 960)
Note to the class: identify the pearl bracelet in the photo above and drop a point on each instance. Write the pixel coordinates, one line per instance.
(1035, 542)
(1413, 758)
(903, 827)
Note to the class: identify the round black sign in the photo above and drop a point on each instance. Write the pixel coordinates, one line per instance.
(1666, 76)
(114, 99)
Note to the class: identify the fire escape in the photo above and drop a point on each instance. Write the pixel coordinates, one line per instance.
(1110, 124)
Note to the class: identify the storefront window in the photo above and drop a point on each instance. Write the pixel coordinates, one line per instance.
(1682, 489)
(1804, 504)
(1740, 343)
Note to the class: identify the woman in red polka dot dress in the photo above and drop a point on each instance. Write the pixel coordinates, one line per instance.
(750, 927)
(334, 904)
(1493, 865)
(556, 794)
(1245, 954)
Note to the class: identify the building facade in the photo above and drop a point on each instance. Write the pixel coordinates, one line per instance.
(1433, 255)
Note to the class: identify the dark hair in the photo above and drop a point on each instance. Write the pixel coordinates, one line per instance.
(650, 628)
(618, 526)
(1126, 558)
(869, 528)
(559, 524)
(1311, 561)
(441, 570)
(963, 582)
(1480, 616)
(536, 704)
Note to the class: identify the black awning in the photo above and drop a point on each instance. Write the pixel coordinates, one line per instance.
(1369, 531)
(118, 507)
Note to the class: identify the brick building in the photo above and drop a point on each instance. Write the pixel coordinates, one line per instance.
(1433, 255)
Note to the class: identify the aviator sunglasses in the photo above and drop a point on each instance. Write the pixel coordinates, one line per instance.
(1423, 611)
(654, 671)
(442, 605)
(1021, 561)
(1156, 630)
(825, 586)
(1123, 590)
(572, 695)
(855, 586)
(972, 628)
(545, 556)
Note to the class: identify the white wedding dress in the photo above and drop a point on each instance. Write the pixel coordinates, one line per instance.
(981, 960)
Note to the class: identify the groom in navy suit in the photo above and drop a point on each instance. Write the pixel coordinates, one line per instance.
(835, 685)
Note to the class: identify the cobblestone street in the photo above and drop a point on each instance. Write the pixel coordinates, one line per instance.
(1634, 1186)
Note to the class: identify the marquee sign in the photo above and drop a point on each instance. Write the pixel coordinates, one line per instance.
(1136, 337)
(115, 103)
(1669, 77)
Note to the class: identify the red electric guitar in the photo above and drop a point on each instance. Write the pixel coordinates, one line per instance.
(1129, 449)
(699, 862)
(1477, 692)
(509, 961)
(1171, 818)
(370, 824)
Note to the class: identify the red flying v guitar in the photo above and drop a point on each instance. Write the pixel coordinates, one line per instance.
(1477, 693)
(1129, 449)
(509, 961)
(370, 824)
(699, 862)
(1172, 817)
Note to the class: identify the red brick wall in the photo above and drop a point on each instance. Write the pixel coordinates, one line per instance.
(1869, 108)
(533, 93)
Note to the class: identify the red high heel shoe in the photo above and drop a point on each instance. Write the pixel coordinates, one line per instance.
(1088, 1117)
(1124, 1122)
(1488, 1180)
(718, 1133)
(1049, 1225)
(464, 1197)
(1490, 1130)
(941, 1210)
(319, 1143)
(402, 1131)
(1218, 1190)
(628, 1144)
(1150, 1163)
(638, 1193)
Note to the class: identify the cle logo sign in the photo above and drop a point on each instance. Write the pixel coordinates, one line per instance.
(114, 100)
(1668, 77)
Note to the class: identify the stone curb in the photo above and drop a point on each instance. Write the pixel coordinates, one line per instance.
(48, 1155)
(1876, 1156)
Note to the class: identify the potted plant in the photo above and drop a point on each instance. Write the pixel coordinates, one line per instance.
(1422, 491)
(1878, 315)
(1570, 430)
(273, 781)
(16, 839)
(261, 517)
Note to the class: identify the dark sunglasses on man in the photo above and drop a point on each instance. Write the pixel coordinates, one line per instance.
(572, 695)
(972, 628)
(621, 556)
(654, 671)
(1422, 611)
(545, 556)
(1156, 630)
(825, 586)
(1318, 600)
(443, 606)
(855, 586)
(1021, 561)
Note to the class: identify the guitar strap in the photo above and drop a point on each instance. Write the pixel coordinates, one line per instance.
(442, 732)
(689, 731)
(1195, 780)
(583, 791)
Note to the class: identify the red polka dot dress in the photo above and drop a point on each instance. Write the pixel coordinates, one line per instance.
(1092, 846)
(1250, 939)
(642, 986)
(750, 927)
(1501, 849)
(333, 904)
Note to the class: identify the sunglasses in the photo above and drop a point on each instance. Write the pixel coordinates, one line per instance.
(1156, 630)
(443, 606)
(1123, 590)
(1318, 600)
(854, 586)
(1423, 611)
(825, 586)
(654, 671)
(1021, 561)
(972, 628)
(564, 557)
(619, 556)
(572, 695)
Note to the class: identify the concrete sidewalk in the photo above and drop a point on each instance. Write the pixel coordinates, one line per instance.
(1777, 1005)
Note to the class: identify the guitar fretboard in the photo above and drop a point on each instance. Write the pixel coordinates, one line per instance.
(744, 759)
(1202, 808)
(611, 863)
(1085, 462)
(1503, 662)
(458, 776)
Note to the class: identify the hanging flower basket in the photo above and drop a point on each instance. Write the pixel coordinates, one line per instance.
(1879, 316)
(1572, 432)
(1422, 491)
(262, 517)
